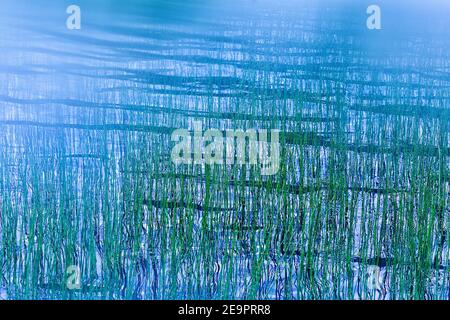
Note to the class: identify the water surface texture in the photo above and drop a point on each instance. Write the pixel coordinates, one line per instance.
(93, 207)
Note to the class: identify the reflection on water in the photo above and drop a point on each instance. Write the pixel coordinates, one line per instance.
(85, 141)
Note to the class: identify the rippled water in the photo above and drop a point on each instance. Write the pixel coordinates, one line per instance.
(85, 141)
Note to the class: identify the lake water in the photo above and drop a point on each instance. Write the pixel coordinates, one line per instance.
(93, 207)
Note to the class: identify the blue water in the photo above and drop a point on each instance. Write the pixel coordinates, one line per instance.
(86, 177)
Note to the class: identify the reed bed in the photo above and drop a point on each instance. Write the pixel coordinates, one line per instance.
(86, 177)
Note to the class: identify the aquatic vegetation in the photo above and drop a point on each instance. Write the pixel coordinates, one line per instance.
(87, 180)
